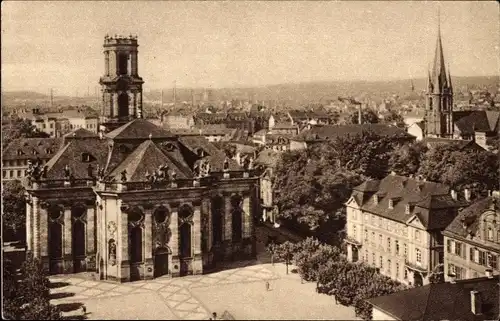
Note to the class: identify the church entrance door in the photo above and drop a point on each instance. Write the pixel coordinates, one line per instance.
(161, 264)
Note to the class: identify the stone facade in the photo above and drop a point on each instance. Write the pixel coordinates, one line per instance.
(126, 234)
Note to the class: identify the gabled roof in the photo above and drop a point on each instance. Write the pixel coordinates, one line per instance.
(80, 133)
(470, 216)
(442, 301)
(478, 120)
(145, 159)
(139, 129)
(32, 148)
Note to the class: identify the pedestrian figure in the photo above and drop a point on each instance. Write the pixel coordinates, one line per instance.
(267, 286)
(84, 310)
(214, 316)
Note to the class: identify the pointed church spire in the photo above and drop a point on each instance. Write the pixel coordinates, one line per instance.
(450, 86)
(439, 71)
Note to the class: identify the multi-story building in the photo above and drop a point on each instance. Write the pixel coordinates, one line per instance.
(17, 155)
(138, 202)
(473, 240)
(395, 224)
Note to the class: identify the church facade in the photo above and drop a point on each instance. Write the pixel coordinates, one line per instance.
(138, 202)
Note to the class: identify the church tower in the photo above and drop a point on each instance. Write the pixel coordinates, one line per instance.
(439, 97)
(121, 84)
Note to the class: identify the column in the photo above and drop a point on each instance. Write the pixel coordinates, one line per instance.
(247, 217)
(106, 63)
(135, 105)
(123, 256)
(139, 106)
(113, 71)
(228, 229)
(29, 230)
(111, 109)
(90, 233)
(174, 243)
(134, 63)
(115, 104)
(148, 244)
(43, 237)
(67, 240)
(129, 65)
(209, 232)
(196, 241)
(131, 107)
(36, 228)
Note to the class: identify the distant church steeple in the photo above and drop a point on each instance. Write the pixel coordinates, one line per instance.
(439, 101)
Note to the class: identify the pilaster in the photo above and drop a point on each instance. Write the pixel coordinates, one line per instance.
(36, 228)
(247, 217)
(91, 238)
(131, 107)
(148, 244)
(174, 242)
(29, 227)
(196, 234)
(67, 242)
(123, 235)
(227, 218)
(133, 57)
(139, 106)
(115, 104)
(43, 232)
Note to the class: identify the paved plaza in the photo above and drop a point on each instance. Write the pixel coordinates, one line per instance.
(240, 291)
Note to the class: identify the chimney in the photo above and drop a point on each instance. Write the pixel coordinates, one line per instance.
(489, 273)
(475, 302)
(467, 194)
(454, 194)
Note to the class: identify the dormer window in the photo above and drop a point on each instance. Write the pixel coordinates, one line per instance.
(169, 147)
(375, 199)
(407, 209)
(34, 152)
(200, 152)
(19, 152)
(48, 150)
(86, 157)
(391, 204)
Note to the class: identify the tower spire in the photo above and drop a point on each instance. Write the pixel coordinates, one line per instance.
(439, 71)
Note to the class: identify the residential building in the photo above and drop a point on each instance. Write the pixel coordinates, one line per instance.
(139, 202)
(177, 120)
(17, 155)
(304, 118)
(319, 134)
(473, 240)
(467, 300)
(395, 224)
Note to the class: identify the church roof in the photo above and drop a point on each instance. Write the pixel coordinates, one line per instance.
(145, 159)
(139, 129)
(31, 148)
(80, 132)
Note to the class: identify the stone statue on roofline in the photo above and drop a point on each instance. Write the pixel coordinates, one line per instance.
(67, 172)
(196, 170)
(207, 168)
(226, 164)
(250, 163)
(246, 163)
(173, 175)
(124, 176)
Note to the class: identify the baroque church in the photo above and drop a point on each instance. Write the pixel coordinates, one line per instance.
(135, 201)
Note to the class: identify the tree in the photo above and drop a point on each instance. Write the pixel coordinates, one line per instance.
(27, 297)
(284, 252)
(395, 119)
(405, 159)
(476, 170)
(20, 128)
(368, 116)
(14, 208)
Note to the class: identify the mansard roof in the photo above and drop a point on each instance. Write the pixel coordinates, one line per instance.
(32, 148)
(471, 216)
(424, 198)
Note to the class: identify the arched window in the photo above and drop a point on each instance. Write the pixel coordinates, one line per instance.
(135, 218)
(55, 233)
(236, 213)
(161, 231)
(185, 226)
(122, 64)
(217, 219)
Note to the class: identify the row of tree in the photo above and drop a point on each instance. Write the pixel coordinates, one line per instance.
(313, 184)
(26, 294)
(351, 284)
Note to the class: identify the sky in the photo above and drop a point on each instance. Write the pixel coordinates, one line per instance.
(237, 43)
